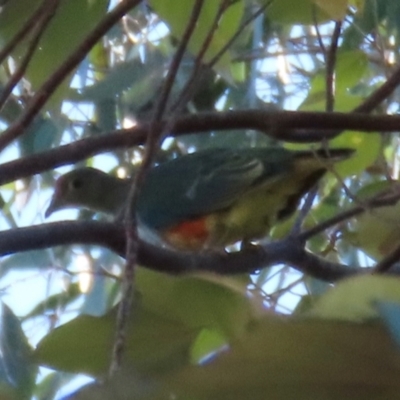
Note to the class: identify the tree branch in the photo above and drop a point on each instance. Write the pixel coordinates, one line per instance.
(112, 236)
(260, 120)
(330, 67)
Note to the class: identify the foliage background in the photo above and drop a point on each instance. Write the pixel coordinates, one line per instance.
(83, 82)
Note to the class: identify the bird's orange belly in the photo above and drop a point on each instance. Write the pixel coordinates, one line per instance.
(189, 235)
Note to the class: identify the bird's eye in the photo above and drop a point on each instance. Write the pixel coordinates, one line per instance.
(76, 183)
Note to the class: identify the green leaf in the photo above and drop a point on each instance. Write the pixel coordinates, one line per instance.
(208, 342)
(354, 299)
(351, 66)
(123, 76)
(84, 345)
(166, 321)
(200, 301)
(296, 12)
(367, 147)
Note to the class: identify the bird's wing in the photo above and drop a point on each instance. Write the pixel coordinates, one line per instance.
(205, 182)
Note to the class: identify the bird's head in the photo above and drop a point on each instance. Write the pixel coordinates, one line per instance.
(81, 188)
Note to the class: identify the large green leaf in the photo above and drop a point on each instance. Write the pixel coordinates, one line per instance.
(84, 345)
(169, 314)
(280, 359)
(298, 360)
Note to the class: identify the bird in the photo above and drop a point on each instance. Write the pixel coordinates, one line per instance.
(208, 199)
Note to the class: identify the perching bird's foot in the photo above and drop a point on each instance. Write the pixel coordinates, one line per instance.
(247, 245)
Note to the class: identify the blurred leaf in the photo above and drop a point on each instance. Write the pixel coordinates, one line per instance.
(208, 303)
(351, 66)
(367, 147)
(200, 300)
(281, 358)
(335, 9)
(106, 118)
(124, 76)
(84, 344)
(25, 260)
(299, 12)
(16, 355)
(51, 384)
(368, 16)
(390, 313)
(207, 344)
(289, 359)
(38, 137)
(354, 299)
(376, 231)
(125, 385)
(172, 311)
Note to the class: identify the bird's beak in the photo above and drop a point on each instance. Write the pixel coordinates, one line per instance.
(54, 206)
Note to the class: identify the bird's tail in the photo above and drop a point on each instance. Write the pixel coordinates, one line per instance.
(333, 155)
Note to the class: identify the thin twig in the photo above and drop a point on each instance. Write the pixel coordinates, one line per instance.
(196, 73)
(173, 70)
(385, 264)
(185, 95)
(132, 239)
(376, 202)
(319, 36)
(380, 94)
